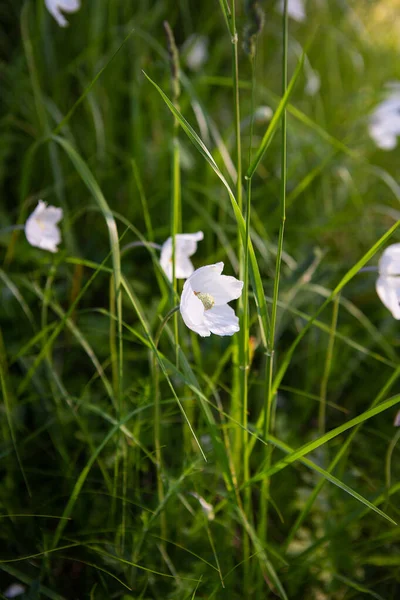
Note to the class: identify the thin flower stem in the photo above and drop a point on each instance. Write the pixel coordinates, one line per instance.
(269, 417)
(11, 228)
(140, 244)
(175, 225)
(157, 419)
(243, 338)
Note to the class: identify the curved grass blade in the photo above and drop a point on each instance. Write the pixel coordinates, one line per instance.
(254, 269)
(311, 446)
(276, 119)
(92, 185)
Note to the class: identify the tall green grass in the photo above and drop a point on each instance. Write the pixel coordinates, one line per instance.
(139, 460)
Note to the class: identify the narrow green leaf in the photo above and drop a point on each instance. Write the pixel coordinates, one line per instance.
(311, 446)
(254, 269)
(276, 119)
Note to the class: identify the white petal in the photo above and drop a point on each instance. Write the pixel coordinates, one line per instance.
(295, 9)
(388, 289)
(41, 228)
(192, 311)
(56, 6)
(203, 276)
(185, 246)
(70, 6)
(14, 590)
(389, 263)
(222, 320)
(223, 288)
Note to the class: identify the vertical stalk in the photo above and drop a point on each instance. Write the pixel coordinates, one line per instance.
(243, 338)
(327, 368)
(269, 409)
(239, 406)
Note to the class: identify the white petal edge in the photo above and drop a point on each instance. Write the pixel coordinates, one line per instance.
(222, 320)
(389, 292)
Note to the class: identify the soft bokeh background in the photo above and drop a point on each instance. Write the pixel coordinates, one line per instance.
(61, 395)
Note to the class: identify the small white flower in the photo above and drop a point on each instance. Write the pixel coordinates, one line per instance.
(56, 6)
(263, 113)
(185, 246)
(295, 9)
(41, 228)
(384, 125)
(197, 53)
(204, 302)
(14, 590)
(313, 82)
(388, 283)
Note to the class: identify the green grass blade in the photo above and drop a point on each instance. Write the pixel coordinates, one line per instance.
(254, 269)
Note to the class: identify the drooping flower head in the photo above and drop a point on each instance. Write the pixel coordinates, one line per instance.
(384, 125)
(204, 302)
(55, 8)
(388, 283)
(41, 228)
(185, 246)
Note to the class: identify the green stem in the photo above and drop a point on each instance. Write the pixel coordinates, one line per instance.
(327, 368)
(157, 419)
(269, 408)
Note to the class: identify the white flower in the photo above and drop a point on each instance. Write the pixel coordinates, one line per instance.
(41, 227)
(197, 53)
(313, 82)
(185, 246)
(14, 590)
(388, 283)
(295, 9)
(56, 6)
(263, 113)
(384, 126)
(204, 300)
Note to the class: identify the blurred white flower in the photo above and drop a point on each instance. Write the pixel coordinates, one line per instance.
(205, 295)
(197, 51)
(388, 283)
(185, 246)
(384, 126)
(208, 509)
(41, 228)
(56, 6)
(14, 590)
(295, 9)
(313, 82)
(263, 113)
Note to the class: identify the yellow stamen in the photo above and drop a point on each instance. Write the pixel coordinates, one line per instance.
(207, 300)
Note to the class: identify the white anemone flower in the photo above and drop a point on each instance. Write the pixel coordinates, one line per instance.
(384, 125)
(204, 302)
(388, 283)
(55, 8)
(295, 9)
(41, 228)
(185, 246)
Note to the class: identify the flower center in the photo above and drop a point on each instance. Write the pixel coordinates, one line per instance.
(207, 300)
